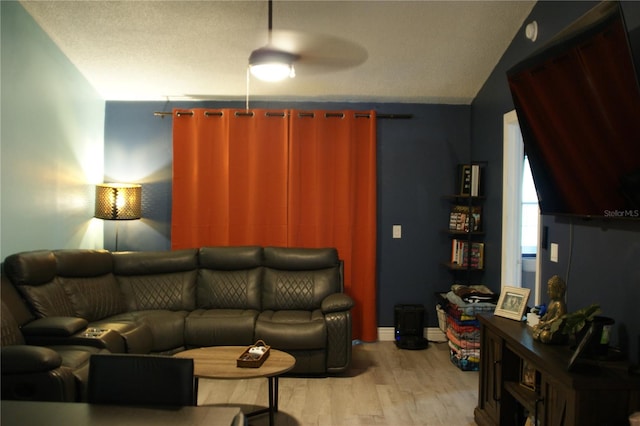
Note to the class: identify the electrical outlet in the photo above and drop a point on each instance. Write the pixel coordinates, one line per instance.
(397, 231)
(554, 252)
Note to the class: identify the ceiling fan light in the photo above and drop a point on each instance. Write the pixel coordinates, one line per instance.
(272, 72)
(271, 65)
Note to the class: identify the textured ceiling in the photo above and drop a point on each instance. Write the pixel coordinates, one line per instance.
(417, 51)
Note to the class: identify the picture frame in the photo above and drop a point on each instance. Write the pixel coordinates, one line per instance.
(580, 349)
(527, 375)
(464, 179)
(512, 302)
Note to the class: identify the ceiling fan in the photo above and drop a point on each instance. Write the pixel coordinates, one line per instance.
(310, 53)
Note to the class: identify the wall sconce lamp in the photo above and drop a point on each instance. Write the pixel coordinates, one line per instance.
(118, 201)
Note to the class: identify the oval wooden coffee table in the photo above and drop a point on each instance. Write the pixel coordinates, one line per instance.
(219, 362)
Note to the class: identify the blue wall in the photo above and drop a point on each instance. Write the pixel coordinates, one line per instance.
(598, 259)
(416, 160)
(138, 149)
(52, 142)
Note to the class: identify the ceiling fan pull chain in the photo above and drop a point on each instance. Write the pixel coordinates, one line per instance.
(247, 98)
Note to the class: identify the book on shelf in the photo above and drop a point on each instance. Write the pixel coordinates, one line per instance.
(465, 218)
(467, 254)
(469, 179)
(475, 180)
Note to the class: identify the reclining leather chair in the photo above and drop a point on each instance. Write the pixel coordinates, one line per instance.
(39, 373)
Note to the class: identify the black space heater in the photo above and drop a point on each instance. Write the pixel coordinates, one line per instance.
(409, 327)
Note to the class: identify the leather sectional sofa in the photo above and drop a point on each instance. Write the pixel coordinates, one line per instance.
(61, 306)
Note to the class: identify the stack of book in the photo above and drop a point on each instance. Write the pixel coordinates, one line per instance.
(465, 218)
(465, 254)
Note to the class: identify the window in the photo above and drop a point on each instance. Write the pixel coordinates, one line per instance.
(529, 235)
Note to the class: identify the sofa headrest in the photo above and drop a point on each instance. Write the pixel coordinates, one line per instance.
(300, 259)
(158, 262)
(83, 263)
(230, 258)
(31, 268)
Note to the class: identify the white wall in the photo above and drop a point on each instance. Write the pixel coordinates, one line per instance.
(51, 142)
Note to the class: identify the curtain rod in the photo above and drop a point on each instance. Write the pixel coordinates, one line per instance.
(162, 114)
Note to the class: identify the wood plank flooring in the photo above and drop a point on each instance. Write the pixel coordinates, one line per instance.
(384, 386)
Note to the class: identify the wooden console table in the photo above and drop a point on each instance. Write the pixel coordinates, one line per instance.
(598, 394)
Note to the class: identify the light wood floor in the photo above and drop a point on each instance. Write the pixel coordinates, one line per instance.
(384, 386)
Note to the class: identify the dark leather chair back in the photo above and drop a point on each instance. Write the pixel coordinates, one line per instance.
(141, 380)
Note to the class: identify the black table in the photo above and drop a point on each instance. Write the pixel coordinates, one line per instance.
(36, 413)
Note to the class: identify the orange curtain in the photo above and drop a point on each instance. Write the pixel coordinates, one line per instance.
(229, 178)
(281, 178)
(332, 199)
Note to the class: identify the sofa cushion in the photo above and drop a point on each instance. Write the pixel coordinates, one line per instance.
(31, 268)
(220, 327)
(33, 273)
(167, 328)
(292, 330)
(230, 258)
(300, 259)
(230, 277)
(229, 289)
(83, 263)
(48, 300)
(171, 291)
(157, 280)
(74, 356)
(298, 290)
(299, 278)
(154, 262)
(93, 298)
(88, 282)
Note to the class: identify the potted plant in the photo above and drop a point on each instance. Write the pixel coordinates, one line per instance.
(570, 324)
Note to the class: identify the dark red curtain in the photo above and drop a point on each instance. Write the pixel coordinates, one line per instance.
(281, 178)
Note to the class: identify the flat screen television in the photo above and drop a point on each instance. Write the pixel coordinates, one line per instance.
(578, 106)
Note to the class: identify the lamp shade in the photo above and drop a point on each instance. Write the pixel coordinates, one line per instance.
(118, 201)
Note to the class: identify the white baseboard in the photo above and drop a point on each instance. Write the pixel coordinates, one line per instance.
(433, 334)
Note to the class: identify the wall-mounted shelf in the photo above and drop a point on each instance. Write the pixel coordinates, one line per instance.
(466, 223)
(456, 267)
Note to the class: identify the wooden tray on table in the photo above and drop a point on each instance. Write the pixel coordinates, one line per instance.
(254, 356)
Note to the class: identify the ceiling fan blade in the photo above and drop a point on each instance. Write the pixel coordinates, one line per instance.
(318, 53)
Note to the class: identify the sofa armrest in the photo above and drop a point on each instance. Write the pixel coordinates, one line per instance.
(54, 326)
(17, 359)
(336, 302)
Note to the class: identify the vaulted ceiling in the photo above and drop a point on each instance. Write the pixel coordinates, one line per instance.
(414, 51)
